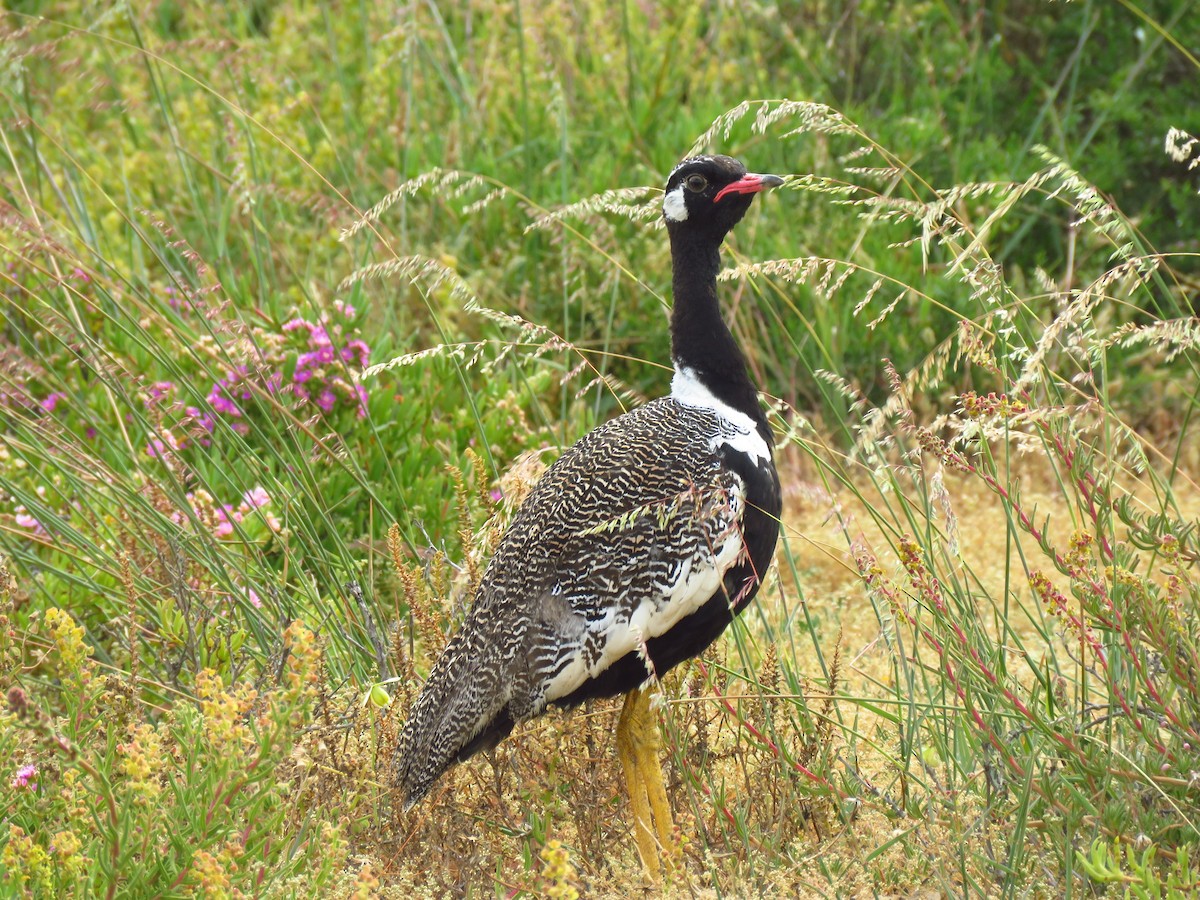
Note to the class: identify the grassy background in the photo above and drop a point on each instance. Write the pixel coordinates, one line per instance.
(194, 470)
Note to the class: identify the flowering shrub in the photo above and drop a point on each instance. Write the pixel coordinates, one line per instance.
(321, 375)
(74, 804)
(306, 365)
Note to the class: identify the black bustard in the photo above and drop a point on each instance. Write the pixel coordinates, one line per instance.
(634, 550)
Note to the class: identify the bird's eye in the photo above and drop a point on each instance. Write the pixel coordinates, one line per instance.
(696, 183)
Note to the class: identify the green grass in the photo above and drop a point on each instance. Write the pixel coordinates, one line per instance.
(187, 260)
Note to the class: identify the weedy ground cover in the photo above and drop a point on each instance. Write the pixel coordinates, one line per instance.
(298, 300)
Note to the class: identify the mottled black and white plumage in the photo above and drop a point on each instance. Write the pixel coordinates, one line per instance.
(638, 546)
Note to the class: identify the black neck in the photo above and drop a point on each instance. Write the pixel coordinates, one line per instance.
(700, 339)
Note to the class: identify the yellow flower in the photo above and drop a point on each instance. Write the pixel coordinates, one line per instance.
(225, 711)
(558, 872)
(66, 847)
(73, 653)
(211, 877)
(142, 759)
(366, 884)
(303, 663)
(26, 864)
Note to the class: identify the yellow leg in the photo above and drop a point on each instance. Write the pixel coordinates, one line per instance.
(637, 747)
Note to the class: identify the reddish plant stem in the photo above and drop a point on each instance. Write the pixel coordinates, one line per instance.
(769, 744)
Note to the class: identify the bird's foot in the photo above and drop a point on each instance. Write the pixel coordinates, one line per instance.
(638, 746)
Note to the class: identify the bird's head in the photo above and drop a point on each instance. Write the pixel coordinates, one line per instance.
(711, 194)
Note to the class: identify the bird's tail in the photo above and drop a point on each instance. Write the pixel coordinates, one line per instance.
(461, 710)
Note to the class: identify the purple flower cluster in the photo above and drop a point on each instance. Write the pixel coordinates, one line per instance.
(24, 779)
(225, 394)
(157, 391)
(205, 421)
(321, 375)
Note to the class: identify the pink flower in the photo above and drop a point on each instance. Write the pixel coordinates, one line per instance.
(158, 446)
(220, 401)
(52, 401)
(28, 522)
(203, 419)
(24, 778)
(253, 598)
(256, 498)
(296, 324)
(158, 390)
(226, 516)
(326, 399)
(322, 356)
(356, 350)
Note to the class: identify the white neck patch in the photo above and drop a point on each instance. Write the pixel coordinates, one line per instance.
(674, 207)
(688, 390)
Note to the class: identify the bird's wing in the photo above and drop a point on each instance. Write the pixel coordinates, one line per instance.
(632, 530)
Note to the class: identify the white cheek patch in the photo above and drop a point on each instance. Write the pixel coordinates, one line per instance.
(674, 207)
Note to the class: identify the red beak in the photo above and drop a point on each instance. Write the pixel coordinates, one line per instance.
(749, 184)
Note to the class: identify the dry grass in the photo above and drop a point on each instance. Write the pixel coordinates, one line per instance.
(832, 584)
(825, 523)
(761, 794)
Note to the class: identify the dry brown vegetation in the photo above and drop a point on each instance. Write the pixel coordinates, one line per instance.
(768, 800)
